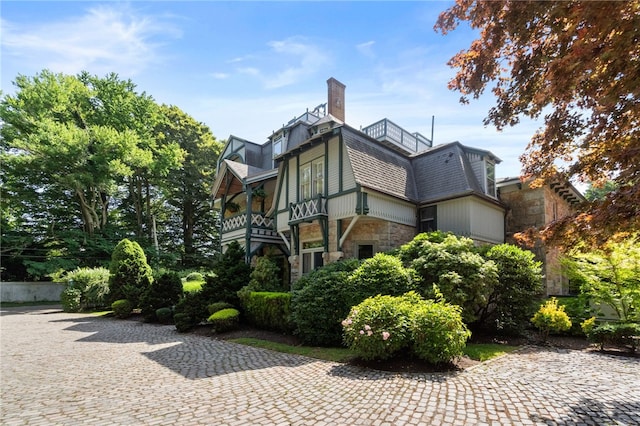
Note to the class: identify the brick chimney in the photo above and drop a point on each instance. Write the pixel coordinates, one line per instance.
(336, 98)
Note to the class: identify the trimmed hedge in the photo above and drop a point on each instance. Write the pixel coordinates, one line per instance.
(225, 320)
(268, 310)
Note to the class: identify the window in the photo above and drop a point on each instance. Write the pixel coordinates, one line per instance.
(428, 222)
(365, 251)
(277, 147)
(312, 179)
(312, 256)
(491, 179)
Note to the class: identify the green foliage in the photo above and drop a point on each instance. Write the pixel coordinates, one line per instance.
(190, 311)
(381, 274)
(93, 285)
(164, 292)
(218, 306)
(192, 286)
(131, 276)
(382, 326)
(225, 320)
(619, 334)
(70, 299)
(194, 276)
(451, 263)
(122, 308)
(231, 274)
(164, 315)
(438, 334)
(578, 310)
(610, 276)
(513, 298)
(320, 300)
(379, 327)
(265, 276)
(551, 318)
(268, 310)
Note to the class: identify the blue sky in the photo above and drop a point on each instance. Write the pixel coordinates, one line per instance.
(245, 68)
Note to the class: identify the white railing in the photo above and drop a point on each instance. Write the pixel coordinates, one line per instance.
(258, 220)
(307, 209)
(386, 130)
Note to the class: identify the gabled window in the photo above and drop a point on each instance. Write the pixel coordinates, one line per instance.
(428, 219)
(312, 179)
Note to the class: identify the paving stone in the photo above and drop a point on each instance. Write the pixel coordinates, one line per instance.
(76, 369)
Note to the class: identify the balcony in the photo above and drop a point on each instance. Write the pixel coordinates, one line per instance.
(308, 210)
(396, 137)
(239, 221)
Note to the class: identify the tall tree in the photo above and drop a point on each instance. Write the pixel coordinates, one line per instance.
(188, 188)
(68, 146)
(576, 63)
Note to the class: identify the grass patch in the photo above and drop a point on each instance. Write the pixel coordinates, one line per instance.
(327, 354)
(192, 286)
(486, 351)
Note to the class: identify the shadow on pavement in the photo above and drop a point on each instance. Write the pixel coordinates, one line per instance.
(192, 356)
(589, 411)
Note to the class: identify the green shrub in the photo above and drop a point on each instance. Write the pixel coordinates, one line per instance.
(93, 284)
(231, 273)
(70, 299)
(212, 308)
(268, 310)
(225, 320)
(451, 263)
(266, 276)
(131, 275)
(190, 311)
(320, 300)
(194, 276)
(438, 334)
(379, 327)
(164, 315)
(122, 308)
(164, 292)
(551, 318)
(621, 334)
(514, 296)
(381, 274)
(578, 310)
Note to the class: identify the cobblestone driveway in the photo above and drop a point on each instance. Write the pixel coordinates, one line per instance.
(74, 369)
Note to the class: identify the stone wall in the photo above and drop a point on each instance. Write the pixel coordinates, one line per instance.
(30, 291)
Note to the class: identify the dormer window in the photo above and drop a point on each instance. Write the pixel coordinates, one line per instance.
(491, 178)
(277, 146)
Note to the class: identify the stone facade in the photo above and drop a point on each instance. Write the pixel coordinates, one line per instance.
(534, 208)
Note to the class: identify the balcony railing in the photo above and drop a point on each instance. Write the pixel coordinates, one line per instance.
(239, 221)
(387, 131)
(307, 210)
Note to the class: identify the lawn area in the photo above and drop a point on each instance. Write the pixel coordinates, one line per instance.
(475, 351)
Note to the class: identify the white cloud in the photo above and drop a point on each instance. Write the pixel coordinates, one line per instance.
(366, 49)
(104, 39)
(287, 62)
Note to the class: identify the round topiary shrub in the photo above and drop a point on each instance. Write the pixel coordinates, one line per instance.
(438, 334)
(164, 315)
(225, 320)
(378, 327)
(194, 276)
(218, 306)
(122, 308)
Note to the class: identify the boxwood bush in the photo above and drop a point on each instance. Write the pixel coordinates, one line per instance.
(268, 310)
(225, 320)
(122, 308)
(164, 292)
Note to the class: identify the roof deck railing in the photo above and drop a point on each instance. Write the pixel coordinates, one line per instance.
(387, 131)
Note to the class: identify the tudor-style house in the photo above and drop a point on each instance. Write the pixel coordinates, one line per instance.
(320, 190)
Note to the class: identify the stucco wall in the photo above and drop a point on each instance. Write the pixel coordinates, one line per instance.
(30, 291)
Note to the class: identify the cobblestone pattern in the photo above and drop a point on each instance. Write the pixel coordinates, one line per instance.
(74, 369)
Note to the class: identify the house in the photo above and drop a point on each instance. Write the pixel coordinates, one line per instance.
(529, 207)
(329, 191)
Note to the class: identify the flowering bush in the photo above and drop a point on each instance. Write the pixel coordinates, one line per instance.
(379, 327)
(437, 332)
(551, 317)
